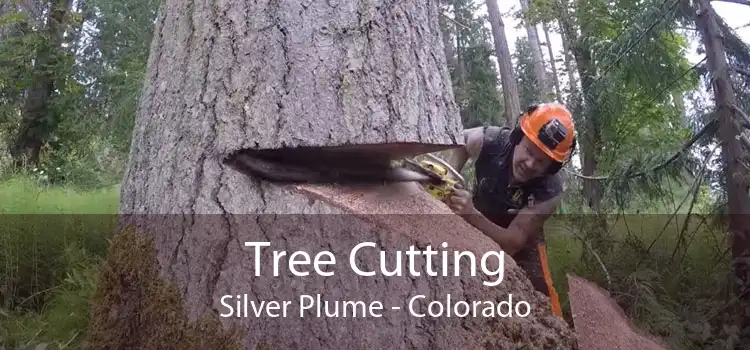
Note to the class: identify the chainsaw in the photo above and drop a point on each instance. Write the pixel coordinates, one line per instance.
(449, 178)
(331, 165)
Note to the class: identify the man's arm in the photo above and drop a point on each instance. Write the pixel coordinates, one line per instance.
(530, 220)
(473, 139)
(527, 223)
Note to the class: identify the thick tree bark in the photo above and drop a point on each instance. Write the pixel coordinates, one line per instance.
(536, 57)
(287, 76)
(229, 76)
(508, 80)
(733, 155)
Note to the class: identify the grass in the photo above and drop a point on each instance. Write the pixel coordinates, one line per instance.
(670, 277)
(676, 289)
(49, 252)
(24, 196)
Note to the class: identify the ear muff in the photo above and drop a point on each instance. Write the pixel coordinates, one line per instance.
(557, 166)
(530, 109)
(516, 136)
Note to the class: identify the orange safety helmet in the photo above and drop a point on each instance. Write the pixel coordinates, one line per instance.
(550, 127)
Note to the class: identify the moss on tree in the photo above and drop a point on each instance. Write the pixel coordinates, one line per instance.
(135, 308)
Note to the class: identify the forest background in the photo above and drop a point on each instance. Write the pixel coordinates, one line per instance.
(633, 71)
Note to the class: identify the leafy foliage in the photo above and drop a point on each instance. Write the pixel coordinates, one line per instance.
(640, 101)
(97, 73)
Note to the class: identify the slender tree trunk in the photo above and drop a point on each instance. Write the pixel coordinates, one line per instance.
(591, 139)
(733, 155)
(508, 80)
(569, 68)
(553, 64)
(460, 64)
(540, 71)
(448, 44)
(236, 76)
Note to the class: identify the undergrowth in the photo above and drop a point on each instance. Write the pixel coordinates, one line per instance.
(670, 274)
(51, 242)
(671, 281)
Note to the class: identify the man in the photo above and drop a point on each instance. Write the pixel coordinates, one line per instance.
(518, 187)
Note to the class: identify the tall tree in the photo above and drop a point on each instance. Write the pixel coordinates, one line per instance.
(476, 86)
(39, 118)
(734, 156)
(230, 76)
(448, 43)
(529, 90)
(116, 60)
(502, 52)
(536, 53)
(570, 69)
(552, 62)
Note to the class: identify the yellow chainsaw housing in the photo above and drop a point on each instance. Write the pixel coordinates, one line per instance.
(443, 191)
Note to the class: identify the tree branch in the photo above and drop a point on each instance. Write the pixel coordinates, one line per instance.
(671, 159)
(454, 21)
(741, 71)
(741, 2)
(743, 116)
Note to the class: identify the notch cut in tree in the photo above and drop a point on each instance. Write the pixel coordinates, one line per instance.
(281, 75)
(288, 74)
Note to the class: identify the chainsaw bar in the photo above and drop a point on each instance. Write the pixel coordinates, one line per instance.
(323, 168)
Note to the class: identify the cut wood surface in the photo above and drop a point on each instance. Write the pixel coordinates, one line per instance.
(600, 323)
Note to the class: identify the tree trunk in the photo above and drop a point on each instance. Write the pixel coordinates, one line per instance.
(733, 155)
(591, 138)
(569, 68)
(510, 85)
(536, 56)
(553, 64)
(679, 103)
(229, 76)
(585, 113)
(38, 119)
(460, 63)
(447, 42)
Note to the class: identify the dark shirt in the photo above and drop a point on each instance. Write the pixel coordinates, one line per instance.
(494, 195)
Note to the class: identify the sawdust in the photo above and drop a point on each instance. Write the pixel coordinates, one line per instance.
(396, 205)
(600, 323)
(406, 210)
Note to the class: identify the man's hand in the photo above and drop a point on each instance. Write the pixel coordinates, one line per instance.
(460, 201)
